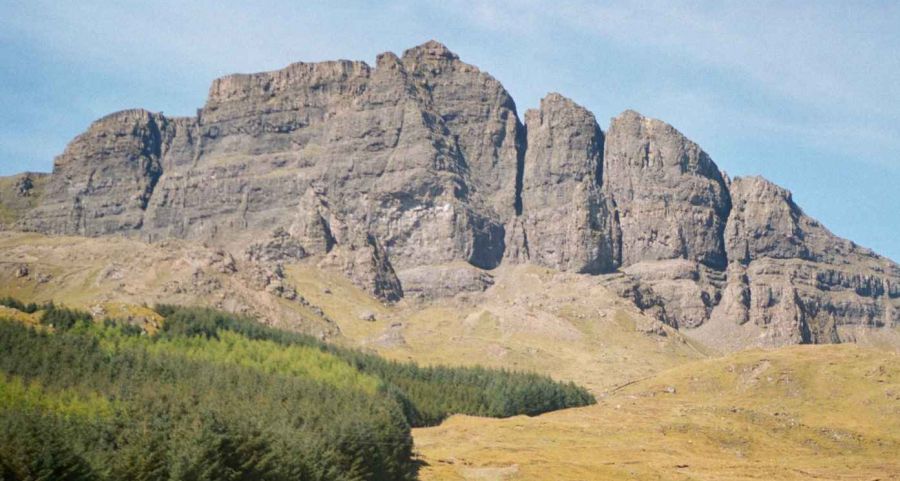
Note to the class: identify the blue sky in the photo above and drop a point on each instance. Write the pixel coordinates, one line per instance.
(806, 94)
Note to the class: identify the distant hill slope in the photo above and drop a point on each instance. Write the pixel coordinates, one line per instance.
(19, 194)
(797, 413)
(395, 170)
(561, 324)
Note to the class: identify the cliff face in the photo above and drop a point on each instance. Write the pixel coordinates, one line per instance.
(671, 198)
(103, 181)
(565, 222)
(395, 171)
(790, 269)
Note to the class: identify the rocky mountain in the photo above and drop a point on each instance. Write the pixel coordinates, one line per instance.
(416, 178)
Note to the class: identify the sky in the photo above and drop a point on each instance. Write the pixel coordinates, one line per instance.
(806, 94)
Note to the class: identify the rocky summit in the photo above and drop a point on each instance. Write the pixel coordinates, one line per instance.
(415, 178)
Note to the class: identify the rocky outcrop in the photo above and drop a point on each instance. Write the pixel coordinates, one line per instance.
(281, 247)
(789, 273)
(103, 181)
(24, 186)
(766, 223)
(481, 116)
(561, 188)
(789, 280)
(320, 147)
(19, 194)
(671, 199)
(415, 177)
(365, 262)
(443, 281)
(684, 292)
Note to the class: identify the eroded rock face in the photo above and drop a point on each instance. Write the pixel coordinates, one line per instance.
(436, 282)
(281, 247)
(671, 199)
(788, 281)
(791, 273)
(420, 165)
(365, 262)
(480, 114)
(19, 195)
(685, 292)
(561, 188)
(408, 150)
(103, 181)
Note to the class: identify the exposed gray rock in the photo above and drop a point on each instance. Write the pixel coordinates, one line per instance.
(766, 223)
(281, 247)
(735, 298)
(103, 181)
(19, 194)
(24, 185)
(312, 227)
(320, 147)
(22, 271)
(364, 261)
(671, 199)
(480, 114)
(793, 276)
(269, 277)
(685, 291)
(788, 276)
(435, 282)
(561, 188)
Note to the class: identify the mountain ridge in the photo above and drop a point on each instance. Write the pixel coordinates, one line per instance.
(391, 171)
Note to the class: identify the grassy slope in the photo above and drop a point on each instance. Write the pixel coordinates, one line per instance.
(115, 276)
(12, 206)
(810, 412)
(534, 319)
(720, 424)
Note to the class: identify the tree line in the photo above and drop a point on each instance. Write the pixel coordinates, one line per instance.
(218, 396)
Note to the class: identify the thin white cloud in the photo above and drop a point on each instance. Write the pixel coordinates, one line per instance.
(836, 63)
(810, 51)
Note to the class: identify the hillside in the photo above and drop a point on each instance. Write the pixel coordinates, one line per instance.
(720, 420)
(19, 194)
(560, 324)
(212, 396)
(812, 412)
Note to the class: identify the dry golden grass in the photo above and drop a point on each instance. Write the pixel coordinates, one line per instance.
(809, 412)
(93, 273)
(534, 319)
(142, 316)
(668, 410)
